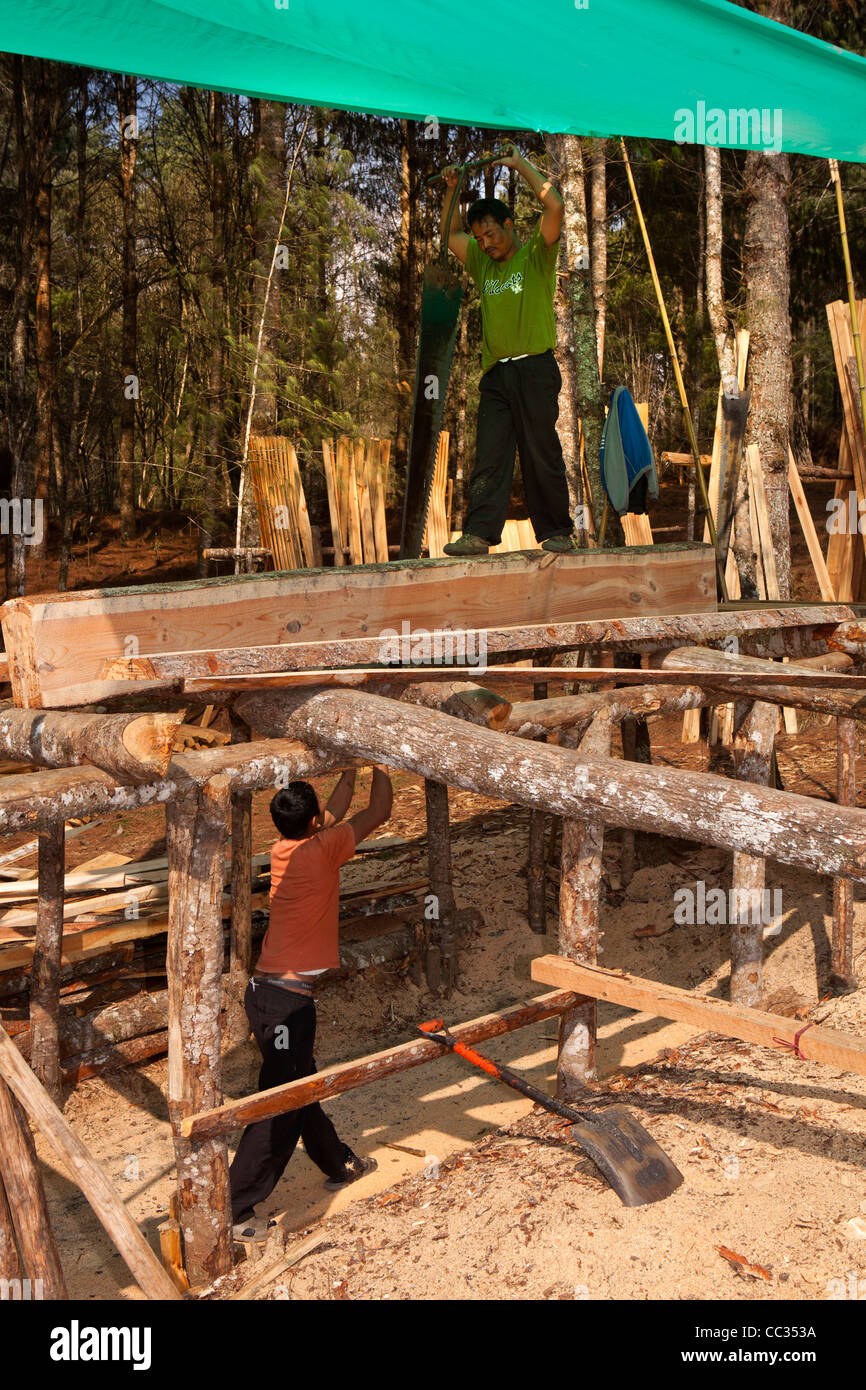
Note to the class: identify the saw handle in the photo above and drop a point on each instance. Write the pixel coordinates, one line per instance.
(473, 164)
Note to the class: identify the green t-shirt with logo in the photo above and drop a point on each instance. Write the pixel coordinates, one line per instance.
(516, 299)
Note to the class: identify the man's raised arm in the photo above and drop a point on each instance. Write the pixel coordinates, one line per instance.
(381, 800)
(457, 239)
(547, 195)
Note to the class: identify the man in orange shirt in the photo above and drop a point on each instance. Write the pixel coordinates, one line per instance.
(302, 941)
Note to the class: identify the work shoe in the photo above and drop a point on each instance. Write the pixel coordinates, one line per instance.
(353, 1169)
(467, 545)
(562, 542)
(254, 1231)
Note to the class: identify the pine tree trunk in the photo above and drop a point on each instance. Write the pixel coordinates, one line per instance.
(214, 440)
(16, 550)
(567, 425)
(598, 240)
(127, 94)
(45, 110)
(589, 402)
(766, 247)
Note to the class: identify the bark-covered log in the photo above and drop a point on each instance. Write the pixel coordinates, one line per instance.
(197, 829)
(824, 692)
(115, 1023)
(530, 718)
(45, 987)
(10, 1265)
(22, 1182)
(798, 630)
(240, 937)
(753, 756)
(579, 909)
(85, 1171)
(346, 1076)
(460, 698)
(842, 978)
(441, 962)
(133, 747)
(31, 801)
(670, 801)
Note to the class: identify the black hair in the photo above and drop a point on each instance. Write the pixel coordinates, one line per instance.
(293, 808)
(488, 207)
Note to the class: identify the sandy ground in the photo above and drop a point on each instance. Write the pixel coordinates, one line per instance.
(484, 1196)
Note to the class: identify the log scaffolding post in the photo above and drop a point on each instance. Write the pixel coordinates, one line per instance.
(440, 963)
(579, 909)
(241, 930)
(842, 978)
(25, 1194)
(47, 952)
(634, 733)
(536, 869)
(753, 758)
(10, 1265)
(196, 838)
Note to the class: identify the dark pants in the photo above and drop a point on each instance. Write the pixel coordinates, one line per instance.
(284, 1026)
(518, 408)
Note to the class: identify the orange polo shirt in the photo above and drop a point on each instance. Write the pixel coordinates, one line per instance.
(303, 931)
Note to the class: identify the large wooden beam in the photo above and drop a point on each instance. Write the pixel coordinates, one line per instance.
(85, 1171)
(58, 643)
(770, 630)
(669, 801)
(842, 977)
(346, 1076)
(197, 829)
(45, 984)
(816, 1044)
(133, 747)
(530, 718)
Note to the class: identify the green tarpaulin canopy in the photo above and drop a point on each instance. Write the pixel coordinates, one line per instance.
(693, 70)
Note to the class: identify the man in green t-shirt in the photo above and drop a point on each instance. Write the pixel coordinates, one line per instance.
(519, 395)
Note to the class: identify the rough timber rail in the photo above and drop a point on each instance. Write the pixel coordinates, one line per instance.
(455, 734)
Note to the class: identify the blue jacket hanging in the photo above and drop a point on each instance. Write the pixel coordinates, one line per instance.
(628, 469)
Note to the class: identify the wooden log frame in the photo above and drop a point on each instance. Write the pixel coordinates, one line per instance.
(575, 713)
(753, 757)
(766, 680)
(842, 978)
(241, 934)
(347, 1076)
(705, 807)
(440, 964)
(536, 867)
(47, 951)
(197, 830)
(58, 644)
(579, 911)
(132, 747)
(813, 1043)
(21, 1181)
(85, 1171)
(768, 630)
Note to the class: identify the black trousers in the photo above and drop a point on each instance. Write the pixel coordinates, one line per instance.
(518, 408)
(284, 1026)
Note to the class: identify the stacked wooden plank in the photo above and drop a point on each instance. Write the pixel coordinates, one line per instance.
(281, 505)
(845, 551)
(356, 477)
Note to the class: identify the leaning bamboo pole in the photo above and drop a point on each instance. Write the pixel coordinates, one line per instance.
(852, 297)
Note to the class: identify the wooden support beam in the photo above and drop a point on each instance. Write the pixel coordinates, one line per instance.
(842, 977)
(536, 867)
(530, 718)
(346, 1076)
(579, 910)
(815, 1043)
(196, 838)
(830, 692)
(47, 951)
(22, 1182)
(85, 1171)
(462, 699)
(133, 747)
(10, 1265)
(667, 801)
(783, 630)
(753, 757)
(241, 933)
(441, 958)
